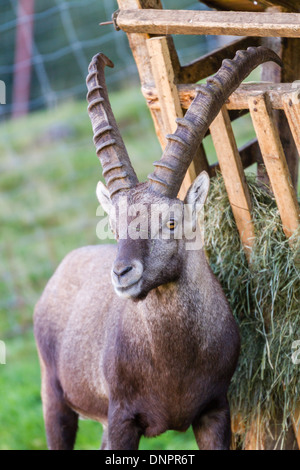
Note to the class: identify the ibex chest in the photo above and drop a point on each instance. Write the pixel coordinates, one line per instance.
(149, 350)
(161, 373)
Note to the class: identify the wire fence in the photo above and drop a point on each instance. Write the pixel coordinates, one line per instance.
(66, 34)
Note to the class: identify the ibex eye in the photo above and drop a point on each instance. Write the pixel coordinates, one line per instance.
(171, 224)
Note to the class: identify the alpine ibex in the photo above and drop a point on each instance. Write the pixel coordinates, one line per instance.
(140, 336)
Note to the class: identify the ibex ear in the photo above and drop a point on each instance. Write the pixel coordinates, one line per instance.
(197, 193)
(104, 197)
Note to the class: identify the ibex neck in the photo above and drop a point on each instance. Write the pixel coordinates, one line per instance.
(190, 287)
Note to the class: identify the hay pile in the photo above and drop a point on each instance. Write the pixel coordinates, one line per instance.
(265, 299)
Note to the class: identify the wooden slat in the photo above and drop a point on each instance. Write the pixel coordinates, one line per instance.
(275, 162)
(239, 98)
(249, 153)
(234, 177)
(289, 51)
(291, 106)
(139, 50)
(164, 78)
(270, 72)
(296, 425)
(137, 42)
(255, 437)
(237, 101)
(210, 63)
(210, 22)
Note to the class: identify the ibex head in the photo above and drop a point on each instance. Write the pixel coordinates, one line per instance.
(156, 256)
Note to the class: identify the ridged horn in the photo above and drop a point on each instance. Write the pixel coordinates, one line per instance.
(184, 143)
(117, 169)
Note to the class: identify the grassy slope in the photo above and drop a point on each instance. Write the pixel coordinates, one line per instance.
(47, 208)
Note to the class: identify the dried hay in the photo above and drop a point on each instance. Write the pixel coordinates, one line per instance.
(265, 298)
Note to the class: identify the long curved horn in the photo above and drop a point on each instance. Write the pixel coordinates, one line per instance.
(117, 169)
(184, 143)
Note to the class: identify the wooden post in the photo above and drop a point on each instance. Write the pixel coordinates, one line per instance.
(237, 101)
(139, 50)
(290, 72)
(289, 51)
(234, 177)
(230, 23)
(275, 162)
(291, 106)
(164, 79)
(296, 425)
(22, 72)
(255, 437)
(163, 54)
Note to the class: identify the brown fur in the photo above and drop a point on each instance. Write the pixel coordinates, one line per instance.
(160, 360)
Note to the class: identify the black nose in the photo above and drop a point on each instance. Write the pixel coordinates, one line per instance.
(121, 271)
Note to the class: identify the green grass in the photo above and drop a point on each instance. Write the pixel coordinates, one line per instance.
(48, 176)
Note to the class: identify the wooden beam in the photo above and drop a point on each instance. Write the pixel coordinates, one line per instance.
(137, 42)
(296, 424)
(256, 436)
(289, 51)
(237, 101)
(249, 153)
(270, 72)
(291, 106)
(275, 162)
(265, 436)
(168, 97)
(239, 98)
(164, 79)
(210, 63)
(138, 45)
(234, 177)
(209, 22)
(290, 73)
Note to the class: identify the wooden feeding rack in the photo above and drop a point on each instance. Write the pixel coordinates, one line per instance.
(274, 104)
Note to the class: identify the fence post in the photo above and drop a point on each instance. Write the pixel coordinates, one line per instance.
(23, 53)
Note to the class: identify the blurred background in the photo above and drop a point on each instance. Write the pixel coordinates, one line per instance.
(49, 171)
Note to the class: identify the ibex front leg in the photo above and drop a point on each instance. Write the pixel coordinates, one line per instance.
(212, 428)
(60, 420)
(124, 433)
